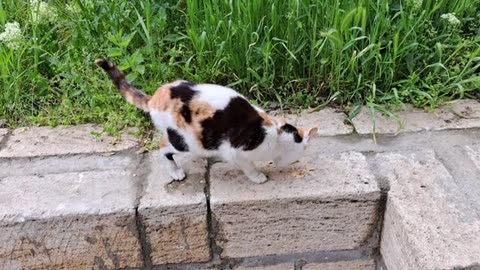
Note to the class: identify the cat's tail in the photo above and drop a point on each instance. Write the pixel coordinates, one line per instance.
(132, 94)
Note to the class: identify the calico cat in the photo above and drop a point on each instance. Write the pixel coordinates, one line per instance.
(213, 121)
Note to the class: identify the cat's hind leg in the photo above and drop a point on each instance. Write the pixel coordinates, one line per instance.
(166, 155)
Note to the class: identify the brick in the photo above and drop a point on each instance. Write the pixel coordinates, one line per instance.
(283, 266)
(74, 163)
(329, 121)
(429, 222)
(175, 214)
(69, 221)
(460, 115)
(350, 265)
(409, 120)
(46, 141)
(324, 202)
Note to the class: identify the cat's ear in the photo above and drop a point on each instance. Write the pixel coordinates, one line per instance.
(309, 133)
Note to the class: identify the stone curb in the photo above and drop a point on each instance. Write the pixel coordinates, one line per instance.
(352, 265)
(459, 115)
(329, 121)
(345, 265)
(68, 220)
(69, 200)
(45, 141)
(430, 222)
(86, 203)
(175, 214)
(334, 207)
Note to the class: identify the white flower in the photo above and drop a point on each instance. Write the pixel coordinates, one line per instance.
(72, 8)
(451, 19)
(12, 36)
(42, 11)
(415, 4)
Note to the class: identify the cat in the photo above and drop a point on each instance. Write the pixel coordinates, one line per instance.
(210, 120)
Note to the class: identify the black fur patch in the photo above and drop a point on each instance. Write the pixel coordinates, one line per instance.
(186, 113)
(291, 129)
(185, 93)
(239, 123)
(169, 156)
(176, 140)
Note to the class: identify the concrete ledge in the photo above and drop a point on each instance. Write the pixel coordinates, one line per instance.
(3, 133)
(71, 201)
(175, 215)
(283, 266)
(45, 141)
(429, 222)
(460, 115)
(69, 221)
(473, 152)
(323, 203)
(350, 265)
(329, 121)
(65, 164)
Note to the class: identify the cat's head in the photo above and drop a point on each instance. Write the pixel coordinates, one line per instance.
(293, 142)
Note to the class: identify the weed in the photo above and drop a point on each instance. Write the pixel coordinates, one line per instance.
(295, 53)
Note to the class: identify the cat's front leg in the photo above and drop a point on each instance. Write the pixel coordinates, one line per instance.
(250, 171)
(166, 154)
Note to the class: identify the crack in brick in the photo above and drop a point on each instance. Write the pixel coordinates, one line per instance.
(145, 245)
(211, 226)
(141, 174)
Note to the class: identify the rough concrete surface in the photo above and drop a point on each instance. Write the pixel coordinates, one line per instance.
(3, 132)
(459, 115)
(175, 214)
(283, 266)
(45, 141)
(68, 221)
(474, 154)
(351, 265)
(74, 163)
(324, 202)
(329, 121)
(429, 222)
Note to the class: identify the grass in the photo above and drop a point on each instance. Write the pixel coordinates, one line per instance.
(291, 53)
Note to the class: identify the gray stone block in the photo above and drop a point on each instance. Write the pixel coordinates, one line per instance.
(175, 214)
(3, 132)
(460, 115)
(283, 266)
(69, 221)
(350, 265)
(46, 141)
(74, 163)
(473, 152)
(329, 121)
(429, 222)
(324, 202)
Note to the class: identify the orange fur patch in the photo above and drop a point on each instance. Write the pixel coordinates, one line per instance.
(200, 111)
(301, 132)
(161, 99)
(267, 121)
(164, 142)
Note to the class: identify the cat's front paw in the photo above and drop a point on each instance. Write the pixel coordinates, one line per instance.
(177, 174)
(258, 178)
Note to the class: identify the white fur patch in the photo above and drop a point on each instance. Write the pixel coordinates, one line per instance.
(216, 95)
